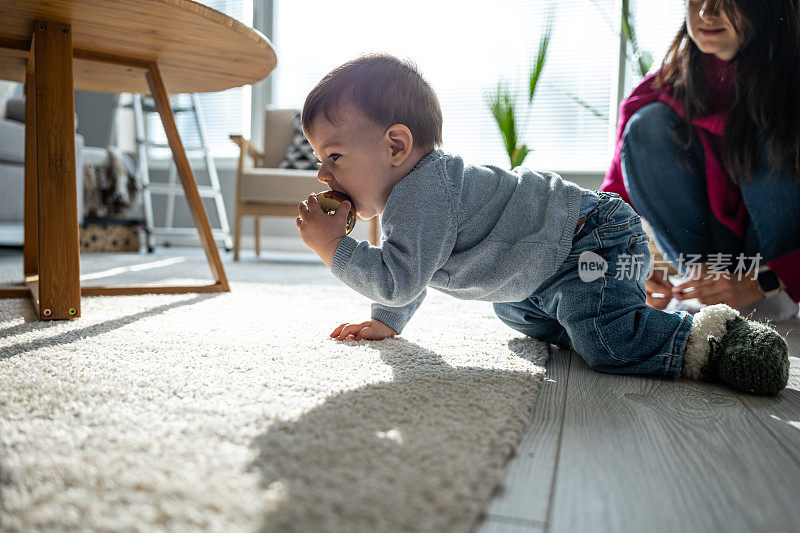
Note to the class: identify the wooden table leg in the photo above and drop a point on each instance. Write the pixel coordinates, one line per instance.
(31, 246)
(59, 291)
(52, 202)
(161, 99)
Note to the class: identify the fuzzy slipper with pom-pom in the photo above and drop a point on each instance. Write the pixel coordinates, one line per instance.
(745, 355)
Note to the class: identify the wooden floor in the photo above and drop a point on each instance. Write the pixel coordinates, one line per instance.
(631, 454)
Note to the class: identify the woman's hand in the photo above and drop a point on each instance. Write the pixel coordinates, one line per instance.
(733, 290)
(659, 290)
(372, 330)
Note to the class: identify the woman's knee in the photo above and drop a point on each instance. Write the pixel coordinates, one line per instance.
(652, 129)
(656, 167)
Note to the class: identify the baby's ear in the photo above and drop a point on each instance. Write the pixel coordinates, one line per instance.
(400, 143)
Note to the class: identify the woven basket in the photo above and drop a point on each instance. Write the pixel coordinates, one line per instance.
(111, 235)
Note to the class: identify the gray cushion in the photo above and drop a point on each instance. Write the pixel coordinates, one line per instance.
(12, 184)
(12, 141)
(12, 187)
(15, 109)
(300, 154)
(278, 185)
(8, 90)
(278, 134)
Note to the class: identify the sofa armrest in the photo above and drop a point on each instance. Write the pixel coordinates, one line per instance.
(15, 109)
(79, 144)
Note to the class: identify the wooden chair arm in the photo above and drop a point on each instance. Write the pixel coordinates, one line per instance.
(247, 148)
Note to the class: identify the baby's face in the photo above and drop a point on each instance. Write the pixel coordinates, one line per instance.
(355, 159)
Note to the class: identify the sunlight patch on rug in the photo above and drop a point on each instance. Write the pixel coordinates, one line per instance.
(237, 412)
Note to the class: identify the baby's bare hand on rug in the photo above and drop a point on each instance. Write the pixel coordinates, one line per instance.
(372, 330)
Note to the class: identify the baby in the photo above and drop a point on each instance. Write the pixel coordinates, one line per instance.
(544, 250)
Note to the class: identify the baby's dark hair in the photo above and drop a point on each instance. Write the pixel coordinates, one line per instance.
(387, 90)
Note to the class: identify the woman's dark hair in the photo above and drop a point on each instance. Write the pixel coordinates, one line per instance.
(767, 103)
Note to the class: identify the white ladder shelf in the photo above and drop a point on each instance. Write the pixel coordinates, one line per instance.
(142, 109)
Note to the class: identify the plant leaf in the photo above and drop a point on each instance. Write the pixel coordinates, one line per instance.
(642, 59)
(627, 30)
(645, 63)
(502, 106)
(588, 107)
(519, 155)
(538, 64)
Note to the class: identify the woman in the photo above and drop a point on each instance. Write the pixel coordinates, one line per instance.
(708, 152)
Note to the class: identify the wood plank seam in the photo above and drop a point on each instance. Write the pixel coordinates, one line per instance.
(560, 443)
(500, 487)
(526, 490)
(515, 521)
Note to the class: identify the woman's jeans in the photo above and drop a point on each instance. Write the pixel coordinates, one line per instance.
(602, 311)
(666, 184)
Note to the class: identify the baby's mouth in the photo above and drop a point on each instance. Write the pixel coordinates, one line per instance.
(347, 197)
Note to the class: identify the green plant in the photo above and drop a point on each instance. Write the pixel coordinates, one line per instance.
(504, 106)
(642, 59)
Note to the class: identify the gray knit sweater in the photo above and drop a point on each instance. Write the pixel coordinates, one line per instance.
(474, 232)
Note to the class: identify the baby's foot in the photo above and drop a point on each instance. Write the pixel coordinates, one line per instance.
(745, 355)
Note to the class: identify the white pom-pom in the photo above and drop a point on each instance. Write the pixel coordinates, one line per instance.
(708, 322)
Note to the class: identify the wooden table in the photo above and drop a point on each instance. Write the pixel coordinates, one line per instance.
(57, 46)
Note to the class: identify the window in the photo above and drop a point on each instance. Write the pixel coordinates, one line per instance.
(464, 48)
(656, 24)
(224, 112)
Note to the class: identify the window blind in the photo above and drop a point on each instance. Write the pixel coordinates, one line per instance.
(656, 24)
(224, 112)
(464, 48)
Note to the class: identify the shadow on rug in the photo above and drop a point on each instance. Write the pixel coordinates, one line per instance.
(417, 453)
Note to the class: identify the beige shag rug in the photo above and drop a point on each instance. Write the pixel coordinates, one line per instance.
(235, 411)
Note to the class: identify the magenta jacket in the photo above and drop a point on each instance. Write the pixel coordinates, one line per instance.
(724, 196)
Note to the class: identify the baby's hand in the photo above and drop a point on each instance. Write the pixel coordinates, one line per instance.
(372, 330)
(322, 232)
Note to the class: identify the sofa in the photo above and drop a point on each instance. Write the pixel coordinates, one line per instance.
(12, 165)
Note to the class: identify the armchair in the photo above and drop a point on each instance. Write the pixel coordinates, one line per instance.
(263, 189)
